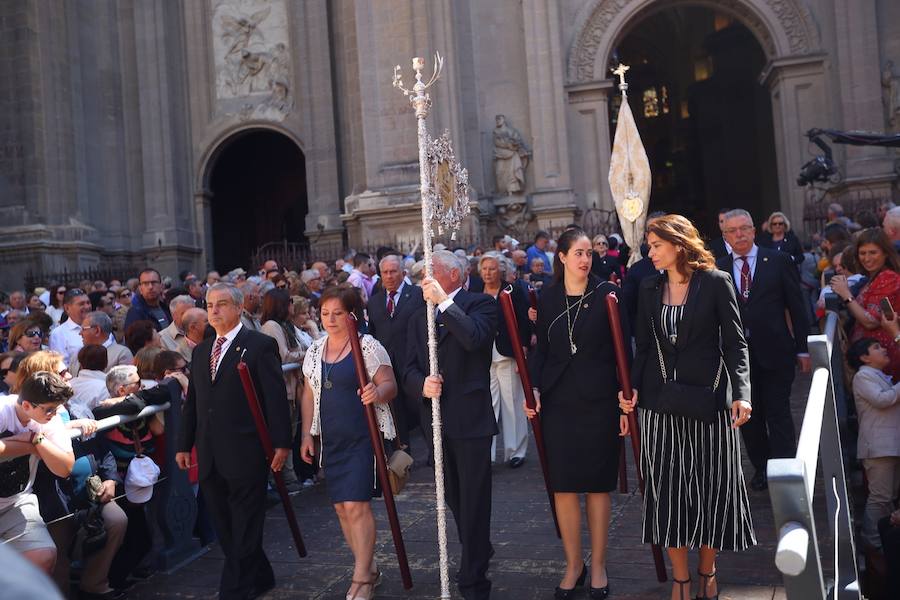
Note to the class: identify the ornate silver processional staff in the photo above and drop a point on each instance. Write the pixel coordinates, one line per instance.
(445, 203)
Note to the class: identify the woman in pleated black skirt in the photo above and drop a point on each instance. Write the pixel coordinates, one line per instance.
(688, 331)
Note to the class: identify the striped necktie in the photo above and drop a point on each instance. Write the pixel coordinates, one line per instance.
(214, 357)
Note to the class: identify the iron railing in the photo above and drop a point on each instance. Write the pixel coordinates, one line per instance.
(791, 484)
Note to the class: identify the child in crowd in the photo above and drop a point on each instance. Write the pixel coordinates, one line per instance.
(878, 447)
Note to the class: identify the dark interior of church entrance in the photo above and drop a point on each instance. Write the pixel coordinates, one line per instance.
(704, 117)
(258, 184)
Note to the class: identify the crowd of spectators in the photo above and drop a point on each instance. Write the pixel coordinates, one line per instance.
(78, 504)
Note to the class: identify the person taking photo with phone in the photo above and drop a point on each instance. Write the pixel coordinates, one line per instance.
(877, 260)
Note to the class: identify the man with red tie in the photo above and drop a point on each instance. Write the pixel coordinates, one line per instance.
(768, 288)
(389, 311)
(232, 464)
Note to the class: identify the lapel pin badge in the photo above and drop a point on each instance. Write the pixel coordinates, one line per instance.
(238, 349)
(765, 259)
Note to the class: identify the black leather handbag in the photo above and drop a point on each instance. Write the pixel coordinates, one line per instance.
(686, 400)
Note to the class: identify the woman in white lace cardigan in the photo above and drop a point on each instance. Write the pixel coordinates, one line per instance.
(333, 409)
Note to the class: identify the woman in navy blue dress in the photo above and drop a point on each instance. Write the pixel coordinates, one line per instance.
(333, 409)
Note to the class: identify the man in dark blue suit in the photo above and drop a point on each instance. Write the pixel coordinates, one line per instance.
(230, 457)
(467, 324)
(768, 289)
(390, 309)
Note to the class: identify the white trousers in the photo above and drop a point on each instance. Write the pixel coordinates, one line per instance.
(507, 397)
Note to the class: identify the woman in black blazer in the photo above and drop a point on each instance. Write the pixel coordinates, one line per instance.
(573, 370)
(780, 237)
(688, 320)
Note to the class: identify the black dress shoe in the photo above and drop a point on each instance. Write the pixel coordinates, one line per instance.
(516, 462)
(113, 594)
(759, 482)
(259, 589)
(599, 593)
(565, 594)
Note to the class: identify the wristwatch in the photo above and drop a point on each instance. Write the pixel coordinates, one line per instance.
(897, 339)
(37, 439)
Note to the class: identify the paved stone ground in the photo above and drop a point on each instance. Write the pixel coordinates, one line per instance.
(528, 560)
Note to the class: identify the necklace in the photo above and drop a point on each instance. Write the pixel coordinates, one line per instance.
(329, 367)
(571, 322)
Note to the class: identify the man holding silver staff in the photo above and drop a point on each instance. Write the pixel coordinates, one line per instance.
(467, 324)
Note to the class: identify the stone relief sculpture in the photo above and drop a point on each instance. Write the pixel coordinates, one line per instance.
(253, 73)
(891, 93)
(511, 155)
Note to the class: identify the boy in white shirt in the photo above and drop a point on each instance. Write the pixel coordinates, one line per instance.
(31, 431)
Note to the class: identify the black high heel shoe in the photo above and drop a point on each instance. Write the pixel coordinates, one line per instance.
(566, 594)
(705, 579)
(599, 593)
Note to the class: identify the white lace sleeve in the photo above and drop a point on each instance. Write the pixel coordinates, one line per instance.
(375, 356)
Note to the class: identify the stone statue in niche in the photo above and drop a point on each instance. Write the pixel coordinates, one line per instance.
(891, 93)
(511, 155)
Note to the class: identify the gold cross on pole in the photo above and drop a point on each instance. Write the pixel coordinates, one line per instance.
(620, 72)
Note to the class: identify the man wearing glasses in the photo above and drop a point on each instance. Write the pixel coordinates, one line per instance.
(31, 432)
(66, 339)
(146, 305)
(96, 330)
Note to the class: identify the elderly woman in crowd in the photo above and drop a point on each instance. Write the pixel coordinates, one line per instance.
(9, 363)
(333, 411)
(603, 264)
(304, 320)
(877, 260)
(506, 389)
(26, 336)
(777, 235)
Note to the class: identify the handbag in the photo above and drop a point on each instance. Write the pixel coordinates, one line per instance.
(399, 464)
(682, 399)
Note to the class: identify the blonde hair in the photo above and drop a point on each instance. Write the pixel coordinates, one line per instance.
(43, 360)
(778, 213)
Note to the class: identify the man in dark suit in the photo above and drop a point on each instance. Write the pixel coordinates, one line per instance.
(467, 324)
(217, 420)
(719, 247)
(768, 290)
(389, 311)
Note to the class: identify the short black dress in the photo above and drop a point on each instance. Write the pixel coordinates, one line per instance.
(579, 409)
(347, 455)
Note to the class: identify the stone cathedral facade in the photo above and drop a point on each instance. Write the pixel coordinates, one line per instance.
(174, 131)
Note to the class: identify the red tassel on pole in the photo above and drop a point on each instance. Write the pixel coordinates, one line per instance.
(362, 378)
(263, 431)
(509, 316)
(615, 328)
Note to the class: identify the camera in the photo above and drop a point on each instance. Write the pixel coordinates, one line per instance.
(820, 168)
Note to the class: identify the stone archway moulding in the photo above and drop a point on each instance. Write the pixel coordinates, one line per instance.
(220, 142)
(783, 28)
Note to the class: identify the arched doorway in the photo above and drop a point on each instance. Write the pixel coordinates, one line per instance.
(704, 116)
(257, 180)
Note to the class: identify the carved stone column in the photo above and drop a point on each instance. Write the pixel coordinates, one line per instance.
(545, 59)
(799, 103)
(589, 132)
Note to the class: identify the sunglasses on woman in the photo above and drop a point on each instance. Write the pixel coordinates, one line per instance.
(34, 333)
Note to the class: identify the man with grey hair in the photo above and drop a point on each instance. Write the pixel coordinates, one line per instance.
(390, 309)
(96, 329)
(767, 285)
(312, 279)
(194, 322)
(891, 225)
(466, 327)
(173, 334)
(122, 380)
(231, 462)
(251, 304)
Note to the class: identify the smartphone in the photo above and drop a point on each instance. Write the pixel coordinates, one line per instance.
(886, 309)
